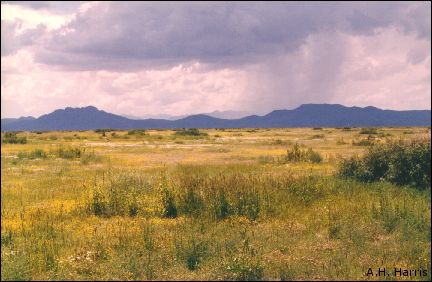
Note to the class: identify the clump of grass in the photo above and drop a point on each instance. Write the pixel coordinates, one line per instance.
(7, 238)
(346, 128)
(198, 194)
(317, 136)
(191, 251)
(401, 163)
(340, 141)
(220, 206)
(189, 132)
(138, 132)
(314, 156)
(69, 152)
(12, 138)
(169, 208)
(296, 154)
(190, 199)
(266, 159)
(281, 142)
(119, 197)
(369, 141)
(369, 131)
(35, 154)
(90, 157)
(246, 264)
(317, 128)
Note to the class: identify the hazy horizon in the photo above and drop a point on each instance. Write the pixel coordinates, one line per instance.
(147, 59)
(174, 117)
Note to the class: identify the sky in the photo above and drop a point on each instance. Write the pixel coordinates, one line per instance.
(179, 58)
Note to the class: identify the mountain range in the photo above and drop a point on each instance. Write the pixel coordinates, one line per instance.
(307, 115)
(216, 114)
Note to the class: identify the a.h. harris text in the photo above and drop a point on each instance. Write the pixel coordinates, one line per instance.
(397, 271)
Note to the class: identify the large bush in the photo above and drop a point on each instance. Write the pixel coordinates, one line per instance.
(401, 163)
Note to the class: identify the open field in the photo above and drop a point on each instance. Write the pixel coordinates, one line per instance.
(228, 204)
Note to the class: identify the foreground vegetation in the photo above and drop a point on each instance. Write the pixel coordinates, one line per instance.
(251, 204)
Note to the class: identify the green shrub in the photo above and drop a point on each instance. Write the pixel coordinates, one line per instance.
(401, 163)
(296, 154)
(139, 132)
(103, 130)
(368, 131)
(12, 138)
(190, 132)
(313, 156)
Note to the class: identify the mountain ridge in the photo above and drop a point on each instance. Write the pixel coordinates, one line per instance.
(306, 115)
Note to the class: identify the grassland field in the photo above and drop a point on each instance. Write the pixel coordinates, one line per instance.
(225, 205)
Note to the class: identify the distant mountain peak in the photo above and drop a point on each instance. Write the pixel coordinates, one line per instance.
(88, 108)
(311, 105)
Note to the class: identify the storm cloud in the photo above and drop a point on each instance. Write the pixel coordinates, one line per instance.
(176, 55)
(151, 34)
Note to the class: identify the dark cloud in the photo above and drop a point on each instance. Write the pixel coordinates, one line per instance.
(140, 34)
(12, 41)
(57, 7)
(30, 4)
